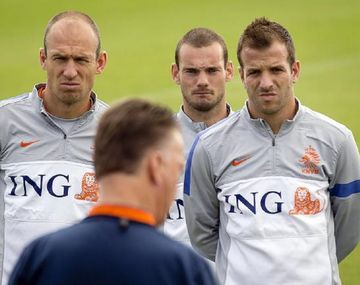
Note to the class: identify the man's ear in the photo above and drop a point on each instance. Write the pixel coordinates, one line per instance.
(175, 73)
(42, 58)
(229, 71)
(295, 71)
(242, 74)
(154, 162)
(101, 62)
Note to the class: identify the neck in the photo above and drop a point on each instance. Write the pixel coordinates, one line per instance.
(275, 120)
(126, 190)
(274, 123)
(208, 117)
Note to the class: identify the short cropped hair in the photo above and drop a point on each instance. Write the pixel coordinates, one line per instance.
(201, 37)
(261, 33)
(73, 15)
(126, 131)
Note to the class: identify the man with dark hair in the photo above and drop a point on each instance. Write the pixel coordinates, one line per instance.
(272, 193)
(201, 69)
(46, 139)
(137, 169)
(261, 33)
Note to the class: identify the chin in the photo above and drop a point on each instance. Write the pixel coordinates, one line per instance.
(71, 98)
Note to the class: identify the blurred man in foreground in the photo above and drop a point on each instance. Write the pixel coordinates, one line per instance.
(137, 168)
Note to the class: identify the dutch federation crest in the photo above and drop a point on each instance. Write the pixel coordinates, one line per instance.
(310, 161)
(89, 188)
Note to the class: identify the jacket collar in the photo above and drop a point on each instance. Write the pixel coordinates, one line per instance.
(196, 126)
(263, 126)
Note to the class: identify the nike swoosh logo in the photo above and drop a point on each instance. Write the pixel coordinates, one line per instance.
(237, 162)
(27, 143)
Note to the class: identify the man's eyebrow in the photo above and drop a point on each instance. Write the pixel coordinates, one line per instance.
(191, 68)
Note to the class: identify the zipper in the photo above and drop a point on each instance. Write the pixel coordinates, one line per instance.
(51, 122)
(273, 144)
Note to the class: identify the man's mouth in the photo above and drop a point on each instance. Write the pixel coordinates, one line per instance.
(270, 93)
(267, 95)
(202, 92)
(70, 84)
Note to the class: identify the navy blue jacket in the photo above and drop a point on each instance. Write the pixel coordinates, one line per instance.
(106, 250)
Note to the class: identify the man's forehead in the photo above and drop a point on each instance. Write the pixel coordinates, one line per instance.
(276, 53)
(211, 55)
(70, 36)
(66, 52)
(213, 48)
(72, 28)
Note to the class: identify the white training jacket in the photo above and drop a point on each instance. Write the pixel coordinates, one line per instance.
(175, 225)
(46, 174)
(274, 209)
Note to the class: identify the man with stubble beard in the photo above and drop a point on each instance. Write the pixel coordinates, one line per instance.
(201, 69)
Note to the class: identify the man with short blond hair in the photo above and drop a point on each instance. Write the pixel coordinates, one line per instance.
(201, 69)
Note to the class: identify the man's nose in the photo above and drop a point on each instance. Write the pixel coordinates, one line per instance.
(266, 81)
(203, 79)
(70, 70)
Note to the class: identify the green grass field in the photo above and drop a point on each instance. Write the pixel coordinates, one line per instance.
(140, 38)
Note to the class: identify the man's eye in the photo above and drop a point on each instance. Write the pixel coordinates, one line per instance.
(82, 60)
(252, 72)
(212, 70)
(59, 58)
(276, 70)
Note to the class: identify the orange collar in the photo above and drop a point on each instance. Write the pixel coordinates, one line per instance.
(40, 91)
(123, 212)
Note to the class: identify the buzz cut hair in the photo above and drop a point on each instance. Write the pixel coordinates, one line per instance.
(261, 33)
(198, 38)
(74, 15)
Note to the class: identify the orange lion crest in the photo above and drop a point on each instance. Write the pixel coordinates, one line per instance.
(303, 203)
(310, 160)
(89, 188)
